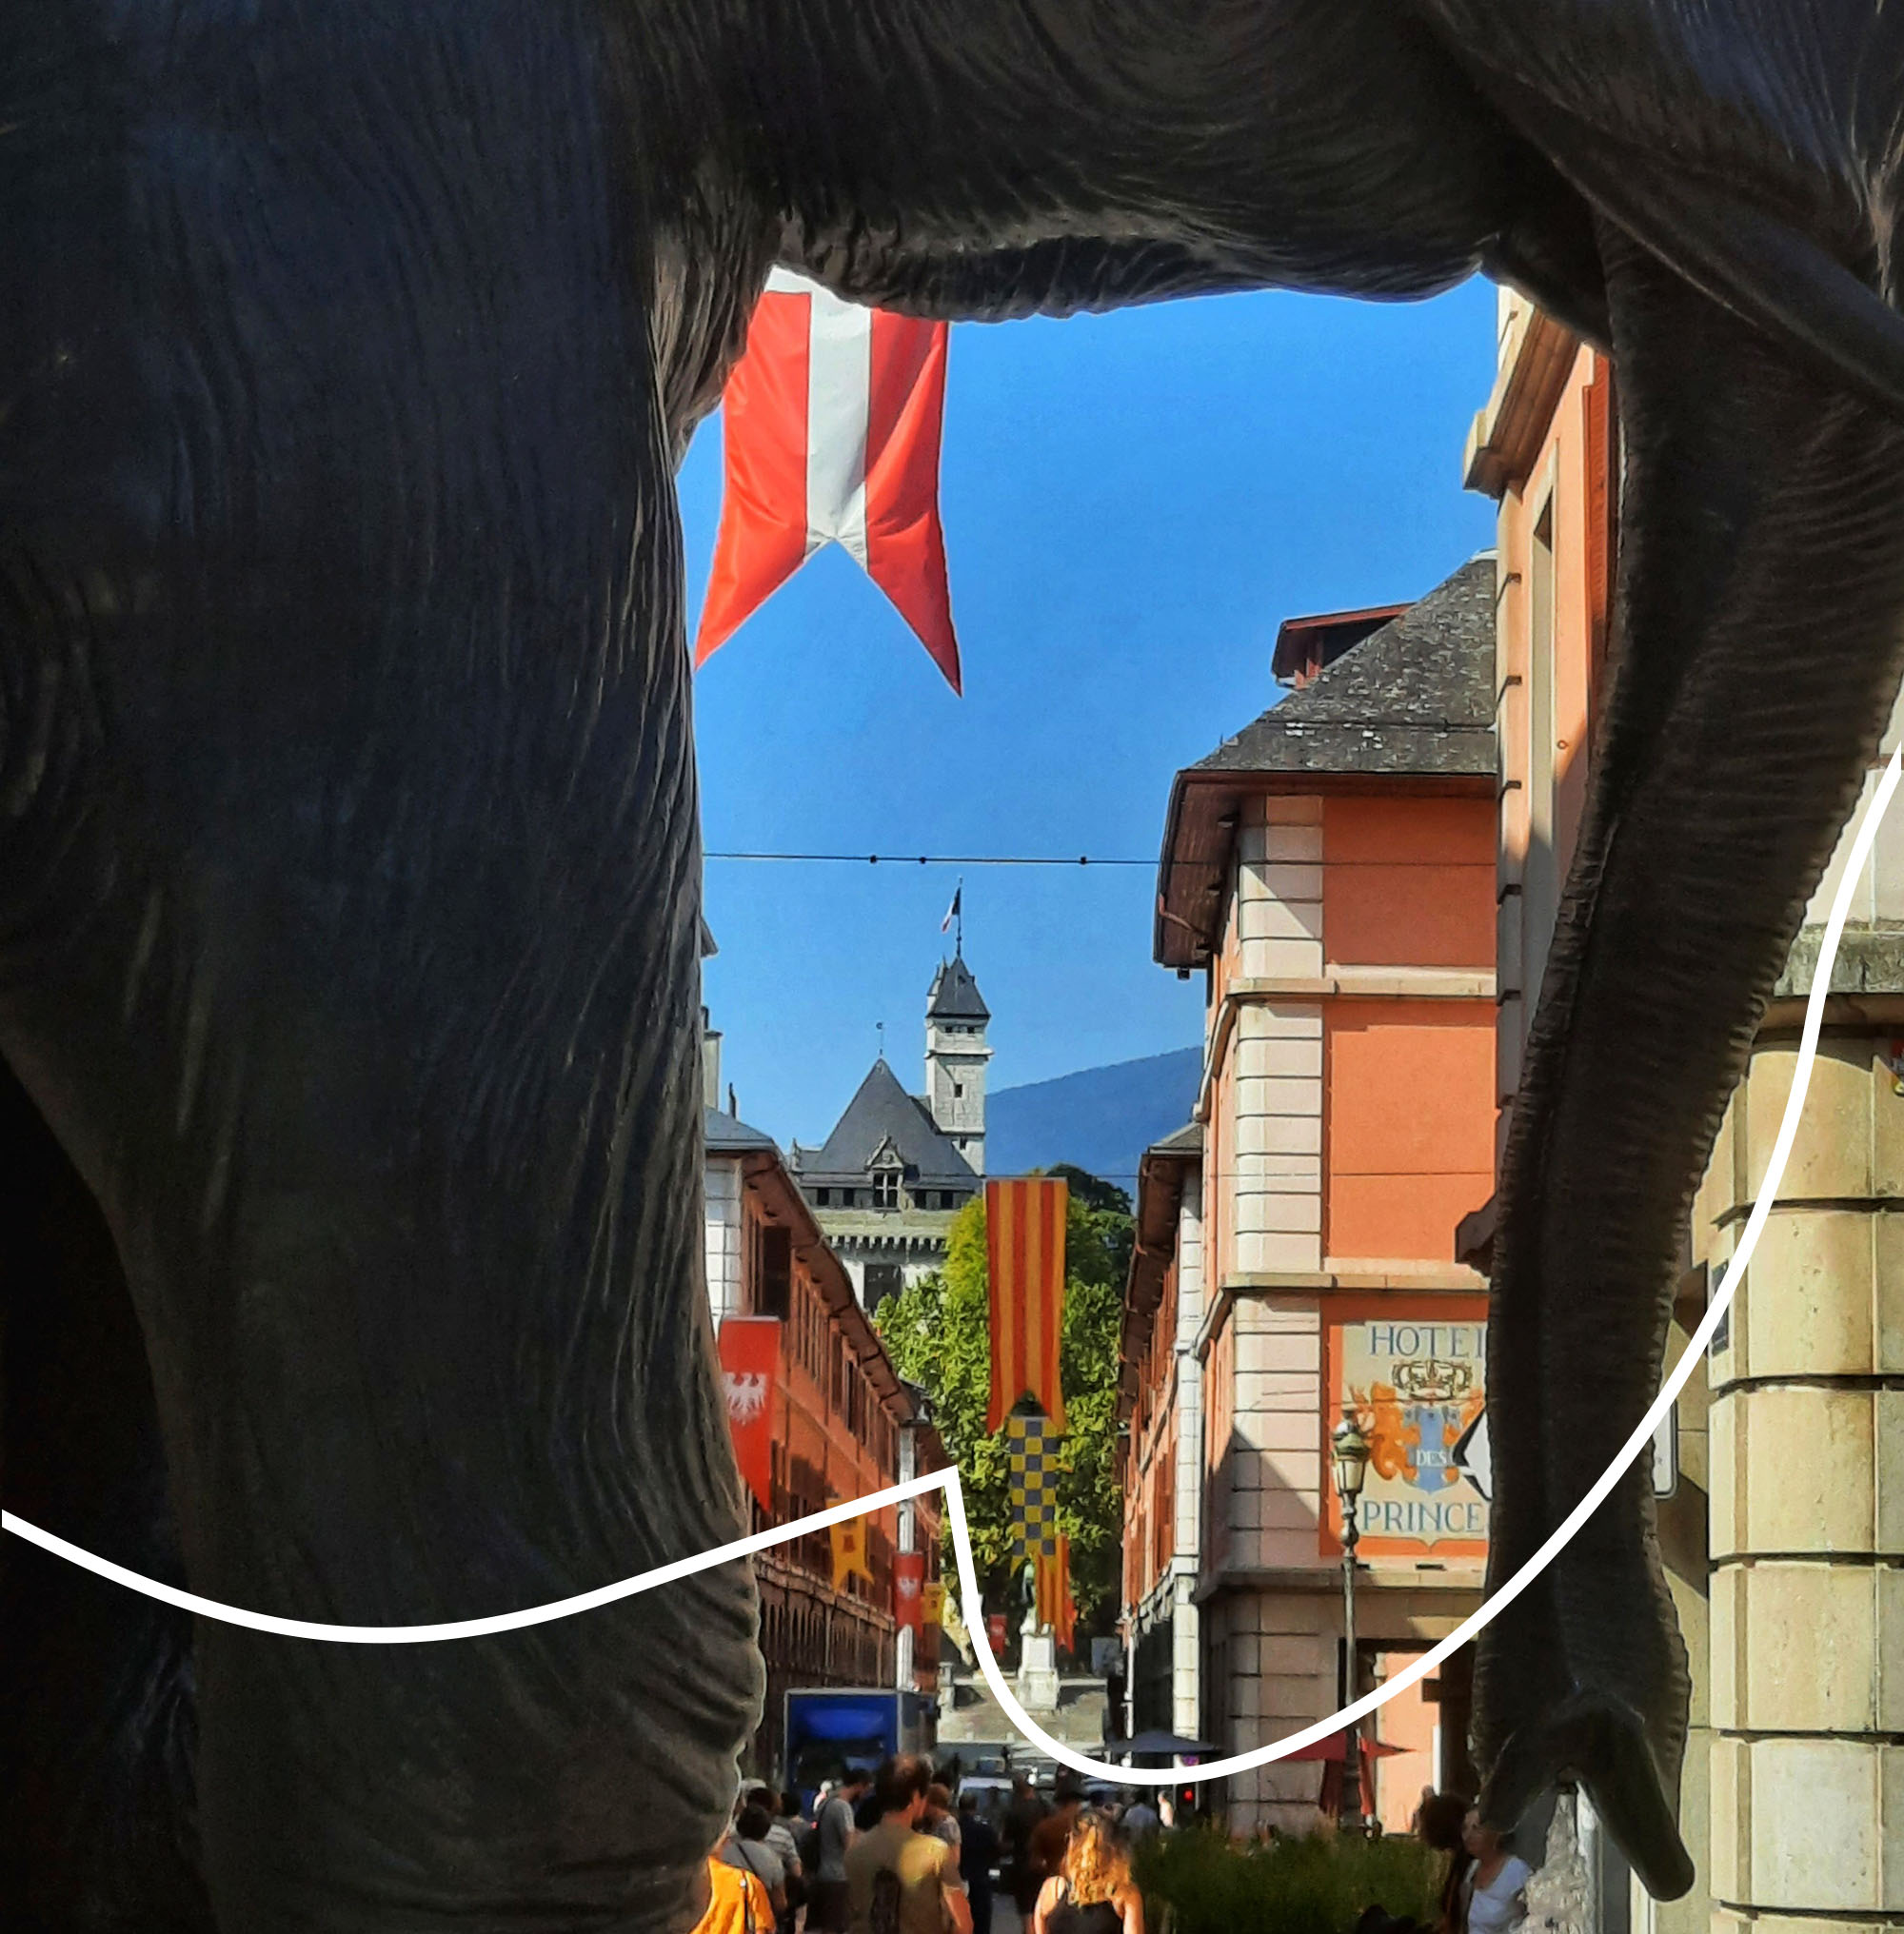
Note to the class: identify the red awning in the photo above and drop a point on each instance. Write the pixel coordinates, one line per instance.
(1332, 1749)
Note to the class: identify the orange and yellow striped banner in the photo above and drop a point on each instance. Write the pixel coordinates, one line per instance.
(1024, 1240)
(1052, 1590)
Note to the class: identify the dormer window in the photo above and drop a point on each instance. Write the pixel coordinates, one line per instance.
(886, 1189)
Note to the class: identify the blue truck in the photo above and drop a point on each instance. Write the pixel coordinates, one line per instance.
(833, 1730)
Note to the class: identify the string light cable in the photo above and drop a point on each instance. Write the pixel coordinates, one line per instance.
(947, 1482)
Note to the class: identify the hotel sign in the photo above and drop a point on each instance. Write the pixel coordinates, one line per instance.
(1413, 1369)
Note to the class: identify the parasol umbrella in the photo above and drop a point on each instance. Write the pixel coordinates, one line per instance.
(1157, 1741)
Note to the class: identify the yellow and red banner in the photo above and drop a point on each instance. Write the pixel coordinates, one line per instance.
(1052, 1587)
(1024, 1239)
(910, 1589)
(750, 1376)
(932, 1601)
(849, 1553)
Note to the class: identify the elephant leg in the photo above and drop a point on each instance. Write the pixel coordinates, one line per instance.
(1760, 643)
(97, 1722)
(379, 1047)
(399, 1140)
(349, 923)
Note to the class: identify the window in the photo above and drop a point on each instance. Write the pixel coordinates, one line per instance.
(774, 1288)
(886, 1189)
(957, 1089)
(824, 1197)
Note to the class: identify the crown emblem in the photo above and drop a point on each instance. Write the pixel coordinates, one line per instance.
(1430, 1380)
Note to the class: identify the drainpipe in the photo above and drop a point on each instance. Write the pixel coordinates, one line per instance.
(908, 1467)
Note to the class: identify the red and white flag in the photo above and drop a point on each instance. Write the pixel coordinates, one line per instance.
(909, 1589)
(832, 423)
(749, 1349)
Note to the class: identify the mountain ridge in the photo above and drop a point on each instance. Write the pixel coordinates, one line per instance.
(1100, 1118)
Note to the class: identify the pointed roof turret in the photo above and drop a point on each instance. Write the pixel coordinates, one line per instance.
(881, 1114)
(954, 994)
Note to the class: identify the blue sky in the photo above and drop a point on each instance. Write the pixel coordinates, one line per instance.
(1131, 505)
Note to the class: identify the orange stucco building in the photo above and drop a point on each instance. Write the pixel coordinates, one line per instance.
(1330, 871)
(1777, 1506)
(843, 1424)
(1543, 447)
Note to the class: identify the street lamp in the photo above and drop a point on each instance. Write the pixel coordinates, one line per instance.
(1349, 1453)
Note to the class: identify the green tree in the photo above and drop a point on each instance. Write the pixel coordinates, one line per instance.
(938, 1332)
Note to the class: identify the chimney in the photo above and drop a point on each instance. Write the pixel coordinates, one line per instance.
(710, 1064)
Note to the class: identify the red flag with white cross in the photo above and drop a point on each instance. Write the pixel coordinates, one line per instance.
(832, 422)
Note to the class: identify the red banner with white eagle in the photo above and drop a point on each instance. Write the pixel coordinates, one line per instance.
(910, 1589)
(831, 427)
(750, 1373)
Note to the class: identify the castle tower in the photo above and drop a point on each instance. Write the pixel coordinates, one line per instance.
(956, 1055)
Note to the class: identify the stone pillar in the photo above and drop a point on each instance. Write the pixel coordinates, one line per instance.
(1808, 1501)
(1807, 1446)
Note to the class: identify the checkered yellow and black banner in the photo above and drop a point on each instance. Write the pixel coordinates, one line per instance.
(1032, 1449)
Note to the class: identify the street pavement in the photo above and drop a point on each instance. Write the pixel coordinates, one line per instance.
(1004, 1915)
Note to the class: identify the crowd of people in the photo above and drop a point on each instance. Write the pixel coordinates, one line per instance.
(888, 1853)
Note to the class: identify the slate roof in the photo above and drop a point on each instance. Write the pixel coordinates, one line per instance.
(954, 994)
(1187, 1141)
(726, 1134)
(1415, 695)
(882, 1111)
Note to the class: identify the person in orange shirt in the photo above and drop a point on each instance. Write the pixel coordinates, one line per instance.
(737, 1903)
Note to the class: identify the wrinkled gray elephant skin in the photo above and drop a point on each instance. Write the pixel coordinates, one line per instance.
(348, 870)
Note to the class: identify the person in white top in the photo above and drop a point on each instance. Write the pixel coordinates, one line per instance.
(1493, 1891)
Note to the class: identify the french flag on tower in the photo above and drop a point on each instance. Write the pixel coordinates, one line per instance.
(832, 427)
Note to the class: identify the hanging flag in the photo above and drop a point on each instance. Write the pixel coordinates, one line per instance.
(750, 1373)
(849, 1553)
(832, 421)
(1024, 1240)
(932, 1601)
(1052, 1590)
(952, 912)
(909, 1589)
(996, 1632)
(1031, 1462)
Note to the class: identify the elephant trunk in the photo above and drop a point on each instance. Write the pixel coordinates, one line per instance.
(1760, 643)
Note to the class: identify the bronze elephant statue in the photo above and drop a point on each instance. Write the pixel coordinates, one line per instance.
(349, 863)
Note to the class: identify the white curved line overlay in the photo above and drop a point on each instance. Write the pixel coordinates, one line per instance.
(947, 1480)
